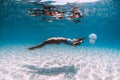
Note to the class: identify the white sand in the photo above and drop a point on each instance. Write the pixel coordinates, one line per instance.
(18, 63)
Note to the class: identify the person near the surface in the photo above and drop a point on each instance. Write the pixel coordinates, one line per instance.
(58, 40)
(75, 13)
(56, 14)
(50, 11)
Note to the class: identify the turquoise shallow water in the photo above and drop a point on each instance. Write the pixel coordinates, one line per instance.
(18, 31)
(101, 18)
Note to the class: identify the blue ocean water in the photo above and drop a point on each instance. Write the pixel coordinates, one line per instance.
(19, 31)
(101, 18)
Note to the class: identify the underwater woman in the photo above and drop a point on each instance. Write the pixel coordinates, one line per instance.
(58, 40)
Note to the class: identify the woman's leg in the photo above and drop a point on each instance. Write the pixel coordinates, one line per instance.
(43, 44)
(38, 46)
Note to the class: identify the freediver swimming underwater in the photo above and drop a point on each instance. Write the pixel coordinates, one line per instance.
(58, 40)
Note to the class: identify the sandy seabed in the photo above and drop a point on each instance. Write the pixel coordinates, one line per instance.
(58, 63)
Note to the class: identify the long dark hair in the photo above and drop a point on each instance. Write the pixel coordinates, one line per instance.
(79, 39)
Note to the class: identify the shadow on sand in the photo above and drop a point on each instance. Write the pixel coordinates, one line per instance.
(68, 70)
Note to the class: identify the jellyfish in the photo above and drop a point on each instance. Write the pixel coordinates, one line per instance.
(92, 38)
